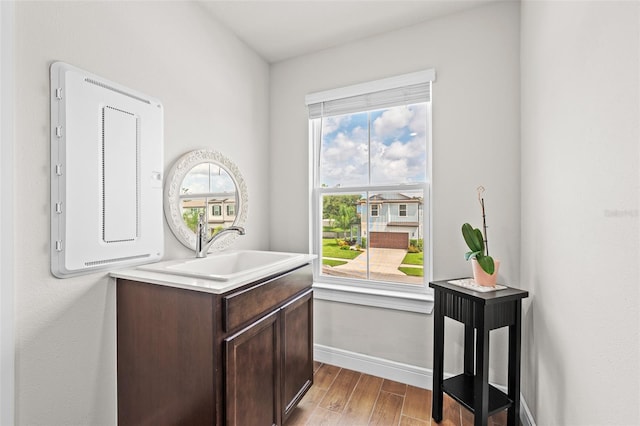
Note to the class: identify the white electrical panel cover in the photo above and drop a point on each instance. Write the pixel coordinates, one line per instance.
(106, 174)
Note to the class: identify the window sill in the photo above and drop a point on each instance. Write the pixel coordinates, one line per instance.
(401, 301)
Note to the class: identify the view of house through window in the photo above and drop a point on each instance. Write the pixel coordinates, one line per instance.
(371, 185)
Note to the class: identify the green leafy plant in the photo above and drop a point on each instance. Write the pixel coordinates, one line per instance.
(477, 242)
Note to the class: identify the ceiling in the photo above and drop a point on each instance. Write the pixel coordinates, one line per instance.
(279, 30)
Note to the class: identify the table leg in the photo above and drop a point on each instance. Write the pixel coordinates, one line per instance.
(513, 380)
(481, 381)
(468, 350)
(438, 362)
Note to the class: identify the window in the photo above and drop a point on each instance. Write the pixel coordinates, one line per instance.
(231, 209)
(371, 183)
(216, 210)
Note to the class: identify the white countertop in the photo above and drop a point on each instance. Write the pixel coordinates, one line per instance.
(207, 285)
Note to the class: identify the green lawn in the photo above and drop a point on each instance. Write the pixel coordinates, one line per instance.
(334, 229)
(413, 272)
(414, 259)
(332, 263)
(331, 249)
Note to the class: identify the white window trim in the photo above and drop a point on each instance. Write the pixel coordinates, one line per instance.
(338, 290)
(400, 210)
(397, 300)
(377, 206)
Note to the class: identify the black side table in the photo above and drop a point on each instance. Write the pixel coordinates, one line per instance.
(482, 312)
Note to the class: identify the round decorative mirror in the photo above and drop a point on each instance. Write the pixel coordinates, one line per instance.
(205, 182)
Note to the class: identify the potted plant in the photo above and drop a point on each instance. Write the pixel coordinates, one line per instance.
(485, 268)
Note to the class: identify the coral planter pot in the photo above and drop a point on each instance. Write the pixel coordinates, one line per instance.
(481, 277)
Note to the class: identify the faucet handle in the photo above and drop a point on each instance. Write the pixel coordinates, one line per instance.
(202, 225)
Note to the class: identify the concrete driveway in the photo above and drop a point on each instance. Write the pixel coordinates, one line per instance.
(383, 263)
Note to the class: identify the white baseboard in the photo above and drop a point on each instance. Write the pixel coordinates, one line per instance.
(404, 373)
(379, 367)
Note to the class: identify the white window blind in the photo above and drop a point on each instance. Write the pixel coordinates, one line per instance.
(401, 90)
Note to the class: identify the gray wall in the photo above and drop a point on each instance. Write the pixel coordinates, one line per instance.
(580, 234)
(476, 123)
(215, 94)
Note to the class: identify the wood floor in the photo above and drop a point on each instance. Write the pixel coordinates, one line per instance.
(344, 397)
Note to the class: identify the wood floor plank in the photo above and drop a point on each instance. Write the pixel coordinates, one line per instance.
(394, 387)
(338, 394)
(325, 375)
(323, 417)
(363, 399)
(417, 403)
(307, 405)
(499, 419)
(409, 421)
(467, 417)
(450, 412)
(345, 397)
(387, 410)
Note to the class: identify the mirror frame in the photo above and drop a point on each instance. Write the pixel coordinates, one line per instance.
(172, 210)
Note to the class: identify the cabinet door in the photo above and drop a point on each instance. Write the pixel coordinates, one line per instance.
(164, 355)
(253, 374)
(297, 351)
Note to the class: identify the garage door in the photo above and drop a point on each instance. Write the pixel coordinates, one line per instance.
(396, 240)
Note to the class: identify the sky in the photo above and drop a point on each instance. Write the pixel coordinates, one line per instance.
(207, 178)
(397, 145)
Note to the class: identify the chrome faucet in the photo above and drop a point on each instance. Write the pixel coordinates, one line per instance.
(203, 244)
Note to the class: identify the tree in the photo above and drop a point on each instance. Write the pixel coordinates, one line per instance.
(346, 217)
(331, 204)
(191, 217)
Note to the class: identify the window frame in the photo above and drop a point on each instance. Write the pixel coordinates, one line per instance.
(400, 210)
(389, 295)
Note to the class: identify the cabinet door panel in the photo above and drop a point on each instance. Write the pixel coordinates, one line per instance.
(297, 351)
(164, 354)
(253, 374)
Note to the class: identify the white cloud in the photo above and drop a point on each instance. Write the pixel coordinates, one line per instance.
(333, 123)
(392, 122)
(418, 122)
(345, 156)
(399, 162)
(344, 159)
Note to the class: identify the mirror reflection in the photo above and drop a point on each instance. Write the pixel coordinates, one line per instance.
(205, 182)
(207, 188)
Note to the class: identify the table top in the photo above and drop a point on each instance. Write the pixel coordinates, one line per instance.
(498, 296)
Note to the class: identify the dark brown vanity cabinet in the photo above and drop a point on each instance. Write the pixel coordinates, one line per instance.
(194, 358)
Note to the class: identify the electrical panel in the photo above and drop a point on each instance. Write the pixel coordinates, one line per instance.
(106, 174)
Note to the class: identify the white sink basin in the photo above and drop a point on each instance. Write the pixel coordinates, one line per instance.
(228, 266)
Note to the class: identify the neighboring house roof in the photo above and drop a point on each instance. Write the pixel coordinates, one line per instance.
(199, 202)
(392, 197)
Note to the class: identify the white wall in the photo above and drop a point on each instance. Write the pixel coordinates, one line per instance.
(215, 94)
(7, 314)
(580, 234)
(475, 141)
